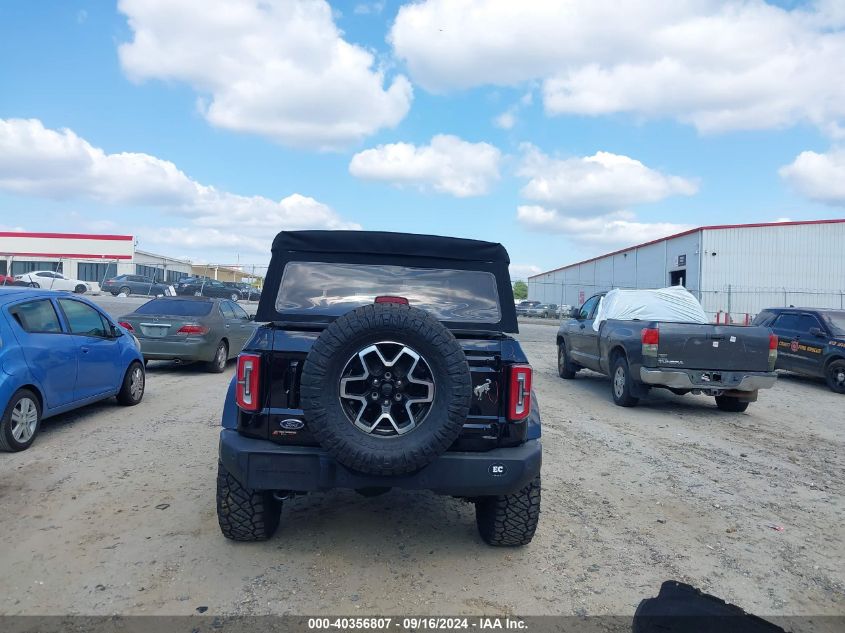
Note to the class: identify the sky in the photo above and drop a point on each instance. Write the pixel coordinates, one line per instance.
(561, 128)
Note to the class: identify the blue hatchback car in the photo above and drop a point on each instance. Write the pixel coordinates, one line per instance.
(58, 352)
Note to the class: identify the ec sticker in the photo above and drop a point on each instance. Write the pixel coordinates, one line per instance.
(497, 470)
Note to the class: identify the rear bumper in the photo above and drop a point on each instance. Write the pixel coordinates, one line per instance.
(186, 350)
(263, 465)
(699, 379)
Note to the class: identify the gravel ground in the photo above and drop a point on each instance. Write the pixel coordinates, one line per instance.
(112, 512)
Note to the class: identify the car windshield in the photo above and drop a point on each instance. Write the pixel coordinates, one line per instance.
(176, 307)
(835, 321)
(334, 289)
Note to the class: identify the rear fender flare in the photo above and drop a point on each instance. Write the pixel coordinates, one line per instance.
(617, 349)
(229, 419)
(533, 430)
(614, 350)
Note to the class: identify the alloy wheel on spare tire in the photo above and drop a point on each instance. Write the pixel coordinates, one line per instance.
(386, 389)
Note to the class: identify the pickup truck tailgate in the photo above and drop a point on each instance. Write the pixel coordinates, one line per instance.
(704, 346)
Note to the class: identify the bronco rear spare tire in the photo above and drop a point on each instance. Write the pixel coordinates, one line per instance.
(386, 389)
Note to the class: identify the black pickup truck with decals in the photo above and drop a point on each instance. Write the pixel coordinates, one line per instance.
(386, 360)
(811, 341)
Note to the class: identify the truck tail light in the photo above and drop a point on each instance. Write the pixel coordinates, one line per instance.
(773, 351)
(519, 392)
(192, 329)
(247, 381)
(650, 338)
(126, 325)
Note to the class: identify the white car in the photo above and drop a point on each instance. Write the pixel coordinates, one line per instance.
(48, 280)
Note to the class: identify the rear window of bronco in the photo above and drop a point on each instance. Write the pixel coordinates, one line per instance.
(332, 289)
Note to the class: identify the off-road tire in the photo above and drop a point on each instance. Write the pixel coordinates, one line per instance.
(729, 403)
(215, 366)
(831, 373)
(245, 514)
(319, 391)
(565, 368)
(125, 396)
(509, 520)
(7, 440)
(622, 391)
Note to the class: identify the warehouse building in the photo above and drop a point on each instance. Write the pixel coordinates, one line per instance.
(734, 270)
(85, 256)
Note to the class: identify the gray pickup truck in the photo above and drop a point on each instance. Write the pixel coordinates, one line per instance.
(730, 362)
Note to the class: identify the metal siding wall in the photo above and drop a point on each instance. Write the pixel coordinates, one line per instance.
(773, 266)
(644, 267)
(687, 245)
(604, 272)
(625, 269)
(651, 266)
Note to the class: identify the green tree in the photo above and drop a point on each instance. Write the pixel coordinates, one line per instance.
(520, 290)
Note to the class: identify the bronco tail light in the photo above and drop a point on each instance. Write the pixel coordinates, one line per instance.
(650, 338)
(773, 351)
(391, 299)
(519, 398)
(126, 325)
(247, 377)
(192, 329)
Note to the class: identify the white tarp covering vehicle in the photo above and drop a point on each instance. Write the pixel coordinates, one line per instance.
(673, 304)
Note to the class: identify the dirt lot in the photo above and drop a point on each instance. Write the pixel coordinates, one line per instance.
(112, 511)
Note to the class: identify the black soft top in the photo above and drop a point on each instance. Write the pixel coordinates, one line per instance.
(396, 245)
(400, 249)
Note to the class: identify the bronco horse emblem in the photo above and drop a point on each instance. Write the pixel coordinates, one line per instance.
(483, 388)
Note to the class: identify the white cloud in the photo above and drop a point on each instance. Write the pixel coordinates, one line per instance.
(447, 165)
(369, 8)
(277, 68)
(613, 230)
(523, 271)
(58, 164)
(820, 177)
(719, 65)
(600, 183)
(586, 198)
(506, 120)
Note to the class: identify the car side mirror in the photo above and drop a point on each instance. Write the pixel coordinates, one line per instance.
(574, 313)
(817, 332)
(116, 332)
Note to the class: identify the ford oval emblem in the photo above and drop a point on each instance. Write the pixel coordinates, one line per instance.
(291, 424)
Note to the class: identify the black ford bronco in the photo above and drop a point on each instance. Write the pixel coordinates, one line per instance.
(385, 361)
